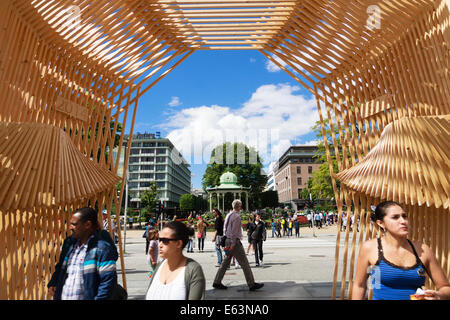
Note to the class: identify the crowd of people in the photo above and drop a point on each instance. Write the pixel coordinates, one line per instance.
(86, 269)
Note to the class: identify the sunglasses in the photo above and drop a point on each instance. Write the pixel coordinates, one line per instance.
(166, 240)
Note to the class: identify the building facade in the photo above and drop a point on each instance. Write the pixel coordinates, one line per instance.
(292, 173)
(156, 159)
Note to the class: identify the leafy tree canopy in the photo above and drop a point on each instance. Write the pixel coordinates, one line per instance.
(241, 160)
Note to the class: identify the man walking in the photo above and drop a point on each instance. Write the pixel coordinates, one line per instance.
(258, 236)
(87, 265)
(297, 228)
(233, 232)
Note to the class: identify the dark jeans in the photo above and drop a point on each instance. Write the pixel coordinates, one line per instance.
(257, 244)
(201, 243)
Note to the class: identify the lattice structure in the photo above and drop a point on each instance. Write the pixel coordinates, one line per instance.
(80, 67)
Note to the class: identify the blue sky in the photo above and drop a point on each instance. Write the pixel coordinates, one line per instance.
(218, 96)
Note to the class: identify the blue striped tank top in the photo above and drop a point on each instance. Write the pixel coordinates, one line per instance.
(392, 282)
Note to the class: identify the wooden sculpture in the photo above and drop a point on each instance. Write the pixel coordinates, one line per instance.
(41, 167)
(410, 164)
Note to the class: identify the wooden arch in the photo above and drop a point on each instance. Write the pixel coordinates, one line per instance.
(81, 66)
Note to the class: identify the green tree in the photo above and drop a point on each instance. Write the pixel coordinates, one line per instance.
(244, 162)
(269, 199)
(187, 202)
(149, 199)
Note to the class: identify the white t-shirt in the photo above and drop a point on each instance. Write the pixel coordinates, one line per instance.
(175, 290)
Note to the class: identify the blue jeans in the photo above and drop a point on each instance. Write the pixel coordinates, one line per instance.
(189, 245)
(218, 250)
(273, 231)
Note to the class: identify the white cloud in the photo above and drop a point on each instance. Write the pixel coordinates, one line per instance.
(312, 143)
(175, 102)
(272, 67)
(272, 117)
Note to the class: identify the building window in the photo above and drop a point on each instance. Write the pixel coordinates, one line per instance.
(160, 151)
(148, 144)
(160, 168)
(134, 151)
(299, 181)
(148, 151)
(160, 176)
(299, 170)
(161, 184)
(146, 175)
(134, 176)
(133, 185)
(134, 168)
(147, 168)
(145, 184)
(134, 160)
(309, 169)
(160, 159)
(300, 193)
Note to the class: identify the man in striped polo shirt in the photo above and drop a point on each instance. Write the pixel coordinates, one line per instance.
(87, 265)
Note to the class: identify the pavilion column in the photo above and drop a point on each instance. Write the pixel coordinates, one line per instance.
(246, 200)
(218, 201)
(210, 202)
(223, 202)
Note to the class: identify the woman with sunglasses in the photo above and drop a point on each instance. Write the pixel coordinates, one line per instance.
(176, 277)
(396, 265)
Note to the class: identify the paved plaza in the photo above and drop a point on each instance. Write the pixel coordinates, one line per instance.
(294, 268)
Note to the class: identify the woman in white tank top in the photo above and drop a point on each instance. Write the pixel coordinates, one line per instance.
(177, 277)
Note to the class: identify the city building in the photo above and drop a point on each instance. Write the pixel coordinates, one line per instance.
(199, 192)
(292, 172)
(156, 159)
(270, 185)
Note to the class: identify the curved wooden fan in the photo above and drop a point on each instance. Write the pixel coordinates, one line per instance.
(40, 166)
(409, 164)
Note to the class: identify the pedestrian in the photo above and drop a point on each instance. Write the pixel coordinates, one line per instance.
(344, 221)
(297, 228)
(201, 233)
(258, 236)
(106, 225)
(153, 250)
(274, 226)
(176, 277)
(250, 228)
(234, 248)
(218, 234)
(145, 235)
(290, 226)
(310, 220)
(283, 226)
(317, 218)
(398, 265)
(86, 269)
(278, 228)
(190, 244)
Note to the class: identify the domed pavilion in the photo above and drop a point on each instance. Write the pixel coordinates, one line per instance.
(228, 184)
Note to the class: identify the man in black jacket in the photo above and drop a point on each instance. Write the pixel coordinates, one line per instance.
(258, 236)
